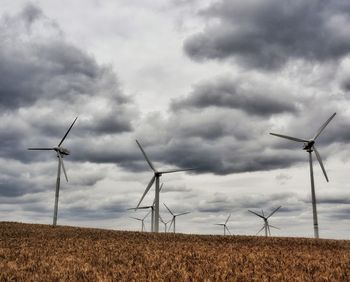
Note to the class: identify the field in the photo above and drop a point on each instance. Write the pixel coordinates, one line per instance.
(30, 252)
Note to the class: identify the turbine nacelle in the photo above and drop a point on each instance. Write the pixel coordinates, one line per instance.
(308, 145)
(62, 151)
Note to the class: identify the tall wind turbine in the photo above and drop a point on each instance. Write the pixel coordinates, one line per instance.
(173, 221)
(142, 220)
(266, 225)
(60, 151)
(225, 225)
(156, 176)
(309, 146)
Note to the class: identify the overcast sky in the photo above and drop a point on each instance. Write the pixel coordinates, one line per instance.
(199, 84)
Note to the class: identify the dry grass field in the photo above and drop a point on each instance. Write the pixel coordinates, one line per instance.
(31, 252)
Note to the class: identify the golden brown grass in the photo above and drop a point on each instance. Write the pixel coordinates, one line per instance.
(31, 252)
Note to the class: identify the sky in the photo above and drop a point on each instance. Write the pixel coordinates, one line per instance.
(199, 84)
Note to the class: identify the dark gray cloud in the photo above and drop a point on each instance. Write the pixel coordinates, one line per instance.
(242, 95)
(220, 203)
(45, 66)
(335, 199)
(45, 82)
(267, 34)
(82, 212)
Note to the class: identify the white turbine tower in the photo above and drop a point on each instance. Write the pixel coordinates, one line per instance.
(173, 221)
(309, 146)
(225, 225)
(156, 176)
(142, 221)
(266, 225)
(60, 153)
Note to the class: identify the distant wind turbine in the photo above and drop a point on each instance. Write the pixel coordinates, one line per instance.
(173, 221)
(164, 222)
(149, 207)
(266, 225)
(309, 146)
(142, 221)
(152, 213)
(156, 176)
(60, 153)
(225, 225)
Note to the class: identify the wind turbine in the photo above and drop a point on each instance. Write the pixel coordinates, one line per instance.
(165, 223)
(156, 176)
(309, 146)
(173, 221)
(225, 225)
(60, 153)
(152, 213)
(142, 221)
(266, 225)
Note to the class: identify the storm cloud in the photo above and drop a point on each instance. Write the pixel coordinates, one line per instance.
(242, 95)
(46, 82)
(268, 34)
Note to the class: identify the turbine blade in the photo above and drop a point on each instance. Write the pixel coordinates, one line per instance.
(274, 211)
(268, 229)
(182, 213)
(274, 227)
(289, 137)
(41, 149)
(318, 156)
(140, 208)
(62, 165)
(64, 137)
(146, 215)
(168, 209)
(256, 214)
(147, 159)
(227, 219)
(220, 224)
(147, 189)
(161, 219)
(136, 218)
(171, 224)
(177, 170)
(260, 230)
(323, 126)
(161, 186)
(227, 229)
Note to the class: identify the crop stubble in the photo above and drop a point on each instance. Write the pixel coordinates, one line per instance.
(30, 252)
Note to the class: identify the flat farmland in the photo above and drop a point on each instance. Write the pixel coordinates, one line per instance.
(31, 252)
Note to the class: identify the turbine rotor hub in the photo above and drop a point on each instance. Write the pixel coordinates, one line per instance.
(308, 145)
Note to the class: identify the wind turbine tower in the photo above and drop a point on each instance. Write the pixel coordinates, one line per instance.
(309, 146)
(60, 151)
